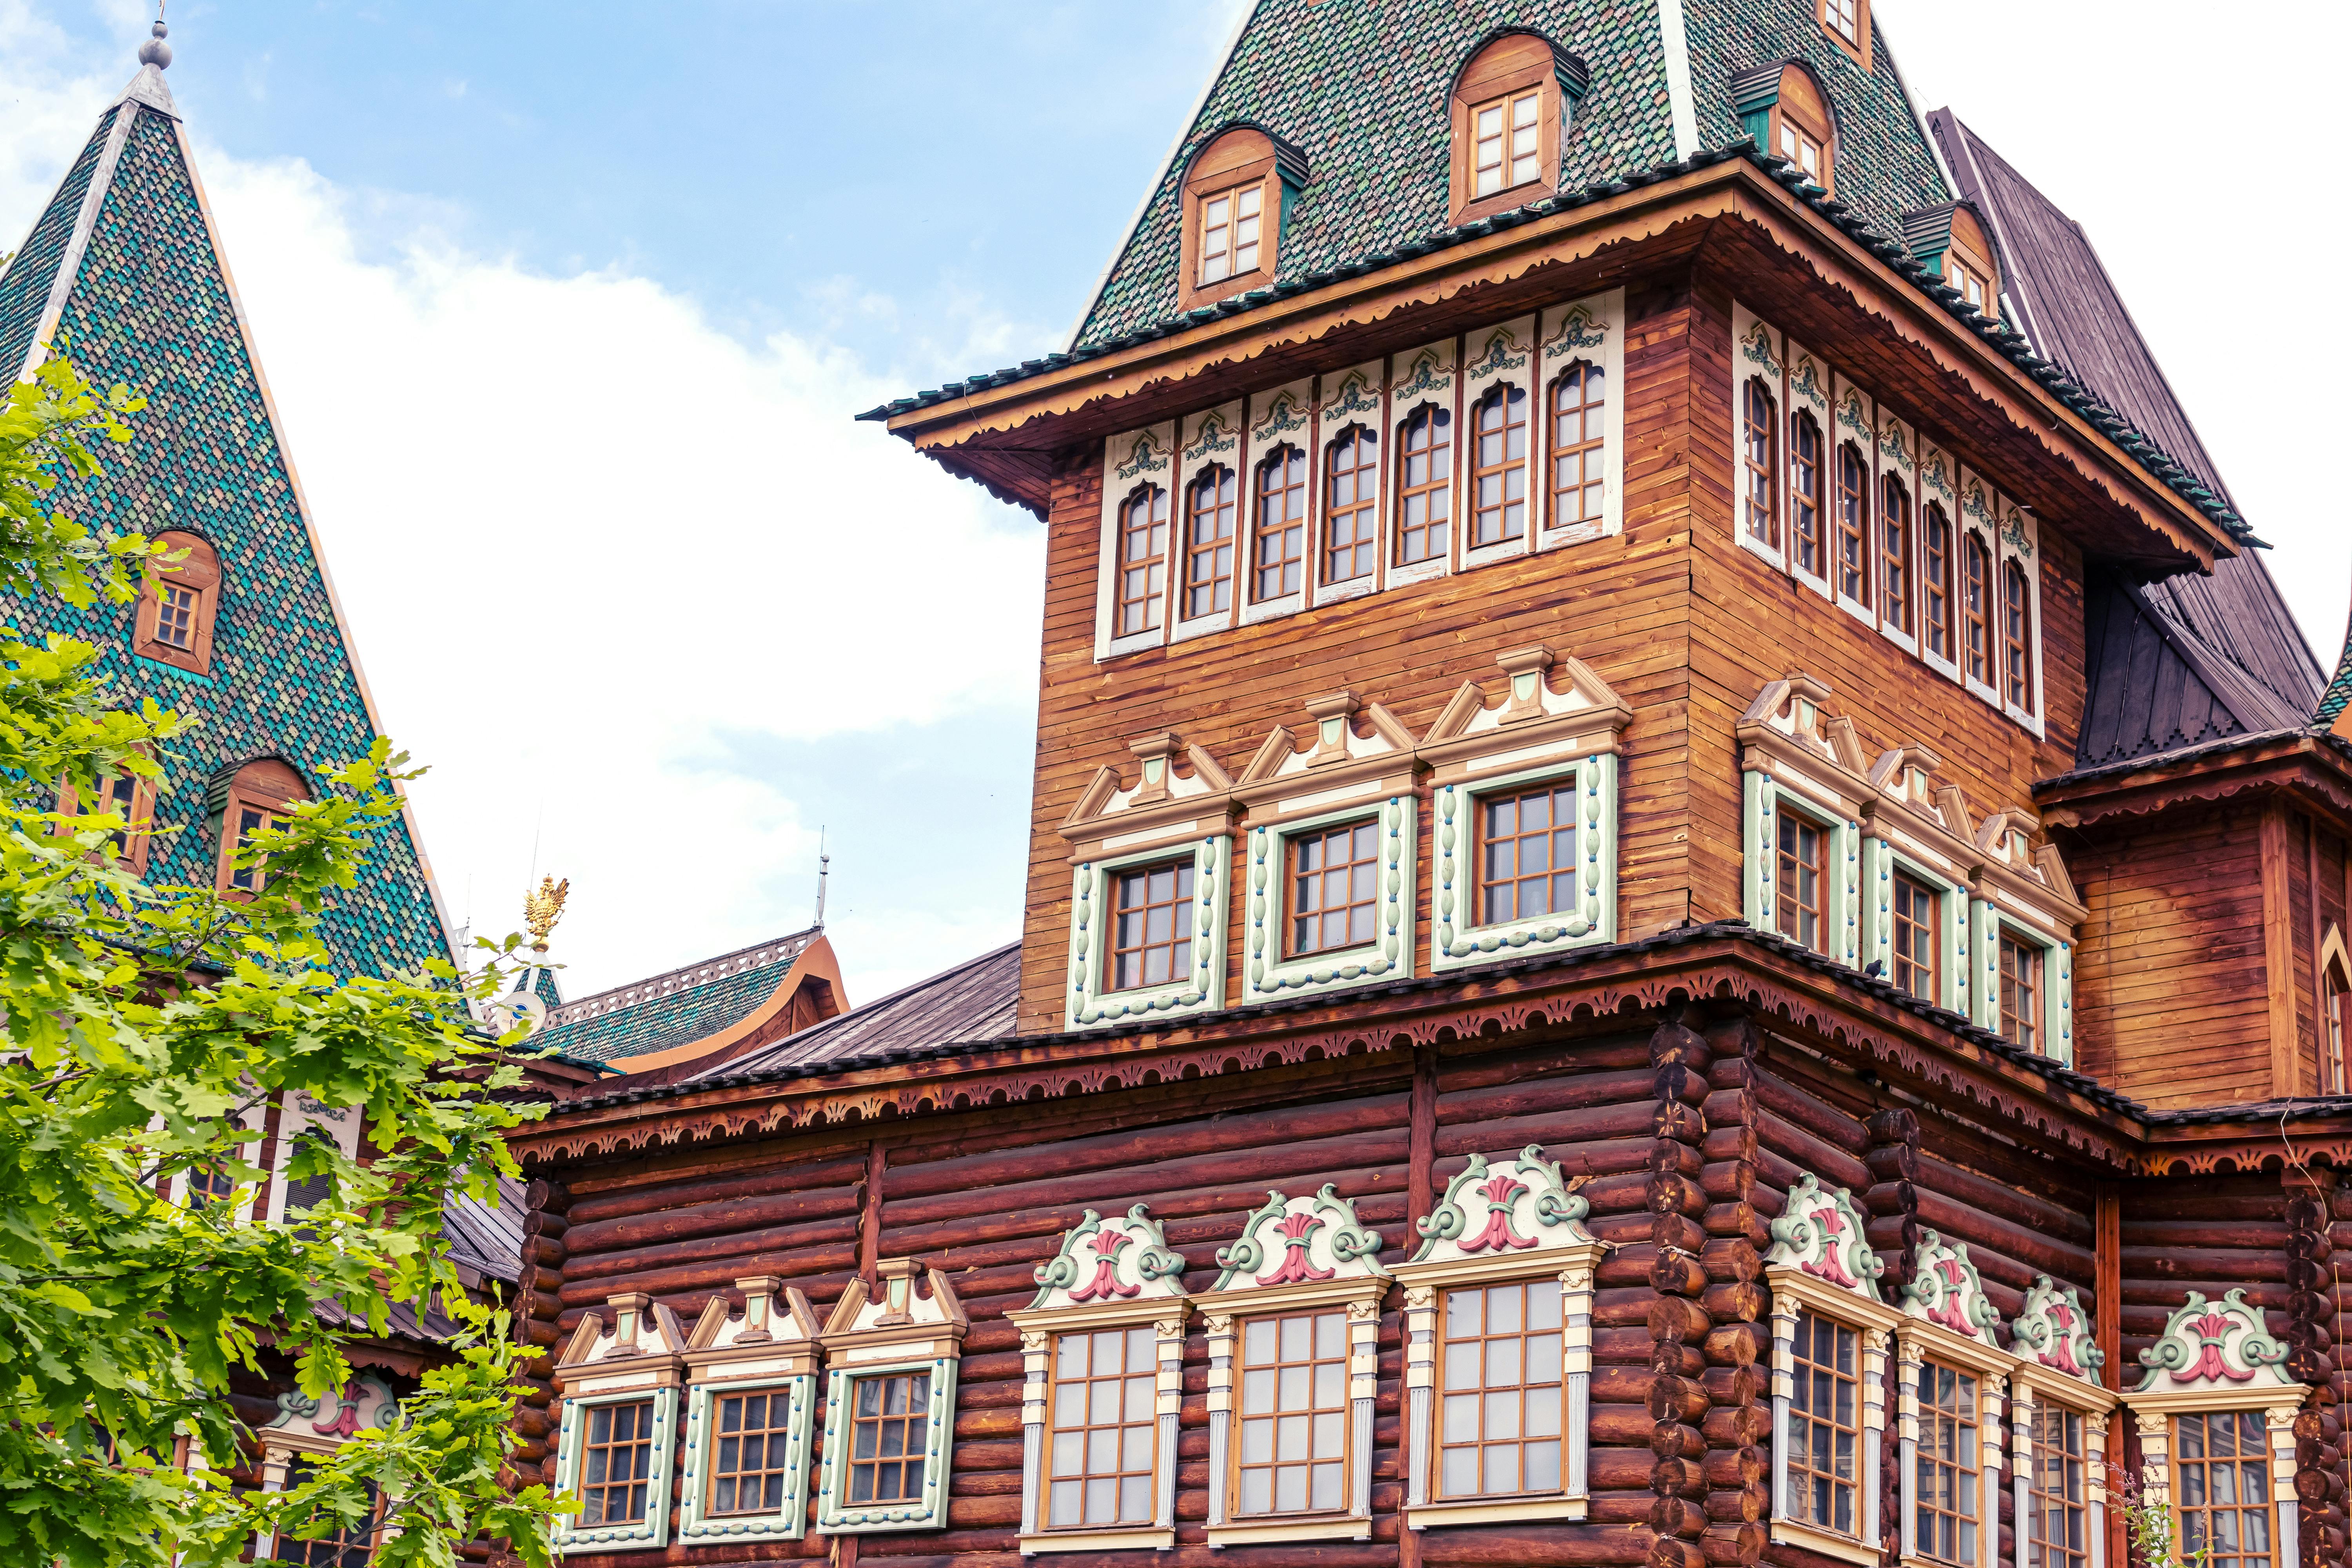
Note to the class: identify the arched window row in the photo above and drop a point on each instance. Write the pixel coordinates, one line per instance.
(1490, 447)
(1846, 497)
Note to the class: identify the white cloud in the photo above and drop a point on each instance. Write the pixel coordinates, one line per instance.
(587, 543)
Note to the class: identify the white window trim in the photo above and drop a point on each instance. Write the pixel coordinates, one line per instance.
(1935, 471)
(877, 1334)
(1765, 796)
(1805, 392)
(1504, 355)
(1896, 460)
(1081, 1289)
(1090, 934)
(1591, 329)
(1974, 518)
(1215, 438)
(1353, 397)
(1917, 1345)
(1410, 385)
(725, 1356)
(1130, 459)
(1758, 349)
(1343, 1249)
(1267, 973)
(2031, 1387)
(1881, 862)
(1595, 921)
(639, 1361)
(2019, 541)
(1284, 416)
(1988, 921)
(1855, 418)
(1542, 1209)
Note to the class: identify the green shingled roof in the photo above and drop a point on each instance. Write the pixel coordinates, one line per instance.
(147, 304)
(673, 1009)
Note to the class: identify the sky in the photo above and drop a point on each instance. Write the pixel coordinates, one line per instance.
(566, 310)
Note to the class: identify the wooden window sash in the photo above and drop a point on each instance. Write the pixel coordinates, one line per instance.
(1852, 566)
(1558, 837)
(1498, 471)
(1514, 1408)
(1894, 560)
(1803, 852)
(347, 1546)
(1946, 1494)
(1232, 232)
(1506, 143)
(242, 821)
(1976, 609)
(1142, 565)
(1320, 884)
(2017, 637)
(1210, 502)
(1315, 1420)
(631, 1478)
(2332, 995)
(177, 628)
(1426, 475)
(1278, 543)
(1805, 149)
(2021, 993)
(1759, 453)
(1844, 19)
(1131, 1394)
(2058, 1488)
(1936, 586)
(888, 1446)
(1825, 1414)
(2199, 1488)
(1918, 927)
(728, 1468)
(1580, 443)
(1809, 549)
(1351, 505)
(1175, 941)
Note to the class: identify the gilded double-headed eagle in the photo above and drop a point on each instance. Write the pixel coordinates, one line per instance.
(542, 908)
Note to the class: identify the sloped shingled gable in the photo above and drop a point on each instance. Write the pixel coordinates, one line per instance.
(673, 1009)
(150, 307)
(33, 271)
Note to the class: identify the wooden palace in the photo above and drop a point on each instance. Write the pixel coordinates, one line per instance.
(1686, 897)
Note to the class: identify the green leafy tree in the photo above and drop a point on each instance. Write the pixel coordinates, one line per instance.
(145, 1026)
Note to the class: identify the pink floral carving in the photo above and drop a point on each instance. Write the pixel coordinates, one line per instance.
(1830, 1267)
(2062, 1321)
(1297, 1230)
(1949, 1315)
(2212, 1329)
(1499, 1190)
(1105, 1283)
(347, 1414)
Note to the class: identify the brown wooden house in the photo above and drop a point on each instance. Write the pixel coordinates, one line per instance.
(1685, 901)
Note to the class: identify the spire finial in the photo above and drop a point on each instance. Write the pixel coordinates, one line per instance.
(155, 51)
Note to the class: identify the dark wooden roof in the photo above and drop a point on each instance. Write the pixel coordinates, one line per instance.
(2187, 660)
(975, 1001)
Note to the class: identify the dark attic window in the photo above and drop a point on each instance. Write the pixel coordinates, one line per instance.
(1511, 107)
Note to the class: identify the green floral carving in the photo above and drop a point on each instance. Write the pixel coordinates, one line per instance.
(1426, 377)
(1580, 329)
(1356, 396)
(1211, 437)
(1145, 457)
(1807, 383)
(1281, 418)
(1498, 357)
(1757, 348)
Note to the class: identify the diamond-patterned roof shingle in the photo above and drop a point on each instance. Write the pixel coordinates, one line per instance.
(673, 1009)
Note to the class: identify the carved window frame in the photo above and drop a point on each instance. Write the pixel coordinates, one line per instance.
(2033, 1387)
(1319, 1235)
(1820, 1262)
(1766, 795)
(199, 571)
(639, 1361)
(1885, 859)
(1084, 1288)
(1267, 972)
(773, 1349)
(1131, 460)
(891, 1331)
(1592, 330)
(1456, 1252)
(1947, 1291)
(2218, 1357)
(1091, 1004)
(284, 1444)
(1284, 416)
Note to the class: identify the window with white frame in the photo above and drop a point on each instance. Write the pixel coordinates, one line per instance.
(616, 1434)
(1102, 1346)
(2025, 917)
(1831, 1330)
(1498, 1308)
(2059, 1430)
(750, 1416)
(1524, 793)
(305, 1433)
(1293, 1335)
(892, 1349)
(1952, 1384)
(1879, 519)
(2216, 1413)
(1803, 789)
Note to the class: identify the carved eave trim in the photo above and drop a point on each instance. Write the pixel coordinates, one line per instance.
(2308, 767)
(1000, 434)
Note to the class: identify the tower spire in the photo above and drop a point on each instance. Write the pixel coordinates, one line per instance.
(154, 59)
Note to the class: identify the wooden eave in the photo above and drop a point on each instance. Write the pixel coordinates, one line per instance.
(1865, 1024)
(2304, 768)
(1785, 259)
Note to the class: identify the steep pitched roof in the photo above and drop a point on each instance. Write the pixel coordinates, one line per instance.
(124, 265)
(686, 1005)
(1362, 90)
(2188, 658)
(976, 1000)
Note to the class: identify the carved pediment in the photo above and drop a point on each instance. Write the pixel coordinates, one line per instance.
(1545, 697)
(1331, 741)
(773, 1315)
(1110, 1262)
(1948, 1291)
(1312, 1240)
(1504, 1205)
(2215, 1346)
(364, 1401)
(1791, 717)
(2054, 1330)
(641, 1327)
(1819, 1233)
(1174, 785)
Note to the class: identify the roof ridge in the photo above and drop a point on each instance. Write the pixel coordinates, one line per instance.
(685, 977)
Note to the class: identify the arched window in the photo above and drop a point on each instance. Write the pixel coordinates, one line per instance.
(1209, 542)
(1233, 197)
(1281, 536)
(119, 794)
(1852, 525)
(2335, 985)
(1759, 453)
(1579, 396)
(1802, 129)
(1351, 504)
(1936, 579)
(1142, 560)
(178, 604)
(1895, 554)
(1975, 610)
(1499, 472)
(2017, 638)
(1424, 486)
(1805, 493)
(258, 796)
(1510, 108)
(1967, 262)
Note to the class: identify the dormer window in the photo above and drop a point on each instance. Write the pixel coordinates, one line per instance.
(1802, 131)
(259, 797)
(1510, 111)
(1847, 22)
(1235, 195)
(175, 622)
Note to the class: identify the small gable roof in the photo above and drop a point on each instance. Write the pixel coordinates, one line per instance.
(973, 1000)
(676, 1008)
